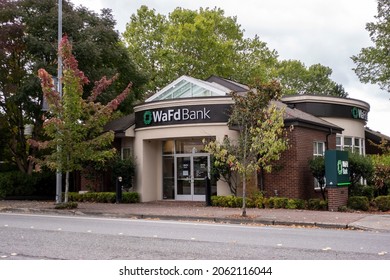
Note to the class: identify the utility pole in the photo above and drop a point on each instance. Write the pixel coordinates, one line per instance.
(59, 85)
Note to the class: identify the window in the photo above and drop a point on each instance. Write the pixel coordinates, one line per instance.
(348, 143)
(318, 148)
(318, 151)
(356, 146)
(339, 146)
(126, 153)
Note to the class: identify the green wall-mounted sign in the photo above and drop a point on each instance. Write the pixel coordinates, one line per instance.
(336, 168)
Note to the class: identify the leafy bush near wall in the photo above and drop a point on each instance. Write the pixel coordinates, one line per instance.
(15, 183)
(317, 204)
(296, 204)
(277, 202)
(68, 205)
(363, 190)
(130, 197)
(230, 201)
(254, 200)
(383, 202)
(358, 203)
(2, 193)
(258, 201)
(104, 197)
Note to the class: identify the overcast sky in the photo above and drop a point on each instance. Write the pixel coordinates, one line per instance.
(328, 32)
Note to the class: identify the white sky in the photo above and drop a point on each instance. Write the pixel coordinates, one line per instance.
(328, 32)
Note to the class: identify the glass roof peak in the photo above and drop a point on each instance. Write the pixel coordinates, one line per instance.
(188, 87)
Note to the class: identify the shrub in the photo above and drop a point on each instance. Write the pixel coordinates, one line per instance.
(276, 202)
(343, 209)
(317, 204)
(363, 190)
(296, 204)
(229, 201)
(2, 193)
(280, 202)
(368, 191)
(130, 197)
(360, 166)
(358, 203)
(68, 205)
(103, 197)
(124, 168)
(257, 199)
(215, 200)
(16, 183)
(383, 202)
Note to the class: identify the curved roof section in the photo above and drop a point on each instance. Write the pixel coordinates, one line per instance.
(325, 99)
(295, 116)
(188, 87)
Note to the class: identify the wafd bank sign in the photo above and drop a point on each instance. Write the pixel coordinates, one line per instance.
(215, 113)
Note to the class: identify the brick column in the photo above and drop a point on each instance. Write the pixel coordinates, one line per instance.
(337, 197)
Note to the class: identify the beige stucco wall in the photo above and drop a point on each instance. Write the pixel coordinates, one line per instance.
(148, 154)
(352, 127)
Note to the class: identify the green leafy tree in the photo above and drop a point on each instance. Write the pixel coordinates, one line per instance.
(220, 170)
(373, 63)
(296, 78)
(261, 139)
(75, 125)
(124, 168)
(144, 38)
(28, 42)
(195, 43)
(205, 42)
(360, 166)
(381, 162)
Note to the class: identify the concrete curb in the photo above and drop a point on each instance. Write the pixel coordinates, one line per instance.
(247, 221)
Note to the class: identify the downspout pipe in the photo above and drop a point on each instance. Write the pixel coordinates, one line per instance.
(327, 138)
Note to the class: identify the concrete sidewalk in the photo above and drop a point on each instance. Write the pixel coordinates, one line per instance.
(197, 211)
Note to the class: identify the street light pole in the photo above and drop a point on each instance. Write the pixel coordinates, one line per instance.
(59, 85)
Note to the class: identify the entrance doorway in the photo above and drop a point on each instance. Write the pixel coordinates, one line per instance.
(191, 171)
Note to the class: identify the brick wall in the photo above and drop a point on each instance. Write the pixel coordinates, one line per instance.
(337, 197)
(291, 176)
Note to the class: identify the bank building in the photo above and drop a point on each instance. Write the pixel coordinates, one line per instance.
(165, 136)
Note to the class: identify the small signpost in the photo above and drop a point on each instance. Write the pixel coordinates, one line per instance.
(336, 168)
(337, 178)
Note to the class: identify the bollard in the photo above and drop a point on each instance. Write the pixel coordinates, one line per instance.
(208, 191)
(118, 190)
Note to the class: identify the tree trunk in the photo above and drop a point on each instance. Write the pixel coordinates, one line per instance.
(323, 191)
(66, 187)
(244, 196)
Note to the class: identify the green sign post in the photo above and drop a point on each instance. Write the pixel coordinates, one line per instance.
(336, 168)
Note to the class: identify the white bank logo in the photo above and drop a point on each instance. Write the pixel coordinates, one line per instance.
(183, 114)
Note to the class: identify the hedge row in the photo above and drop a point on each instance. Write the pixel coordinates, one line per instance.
(272, 202)
(103, 197)
(382, 203)
(16, 183)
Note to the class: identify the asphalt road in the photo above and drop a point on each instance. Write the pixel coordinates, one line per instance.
(29, 237)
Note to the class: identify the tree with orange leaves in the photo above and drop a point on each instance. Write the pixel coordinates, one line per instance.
(74, 125)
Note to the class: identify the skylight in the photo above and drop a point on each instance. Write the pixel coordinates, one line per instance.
(187, 87)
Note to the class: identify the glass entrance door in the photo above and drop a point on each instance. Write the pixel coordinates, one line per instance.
(183, 178)
(191, 173)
